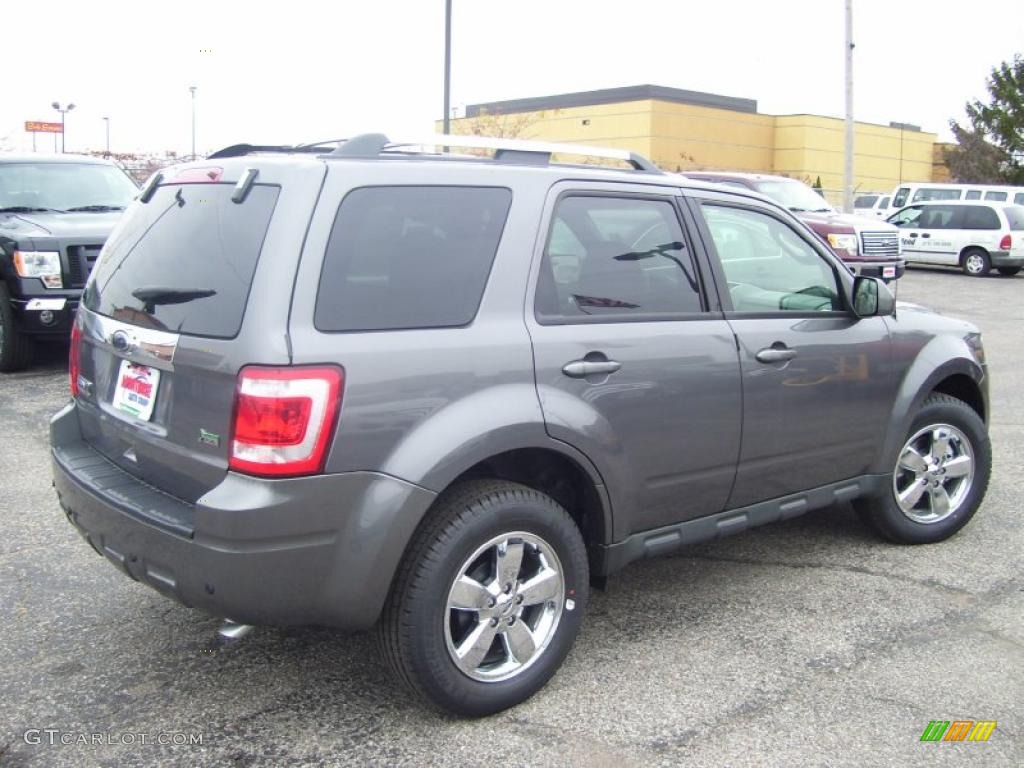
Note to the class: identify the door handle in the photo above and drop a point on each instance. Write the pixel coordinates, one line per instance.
(578, 369)
(775, 355)
(925, 234)
(913, 234)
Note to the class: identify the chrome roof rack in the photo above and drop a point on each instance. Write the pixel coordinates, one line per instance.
(523, 151)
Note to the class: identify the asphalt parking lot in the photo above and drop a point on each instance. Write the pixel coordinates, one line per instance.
(805, 643)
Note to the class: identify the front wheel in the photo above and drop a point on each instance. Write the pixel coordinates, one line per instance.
(488, 600)
(1009, 271)
(976, 263)
(940, 475)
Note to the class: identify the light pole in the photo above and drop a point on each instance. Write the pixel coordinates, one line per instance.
(193, 89)
(64, 111)
(107, 121)
(848, 150)
(447, 65)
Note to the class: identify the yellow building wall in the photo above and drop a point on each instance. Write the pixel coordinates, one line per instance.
(687, 137)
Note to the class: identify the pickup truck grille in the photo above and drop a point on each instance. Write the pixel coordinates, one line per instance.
(81, 259)
(886, 244)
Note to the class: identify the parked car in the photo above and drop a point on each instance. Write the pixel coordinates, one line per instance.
(924, 192)
(866, 246)
(974, 236)
(872, 205)
(55, 214)
(444, 394)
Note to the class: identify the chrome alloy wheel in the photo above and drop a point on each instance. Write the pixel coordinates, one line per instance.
(934, 473)
(975, 263)
(504, 606)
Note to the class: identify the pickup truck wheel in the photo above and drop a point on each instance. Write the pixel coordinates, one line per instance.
(975, 262)
(488, 599)
(939, 478)
(15, 346)
(1009, 271)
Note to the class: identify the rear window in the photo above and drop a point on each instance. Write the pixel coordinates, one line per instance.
(1015, 217)
(184, 261)
(409, 257)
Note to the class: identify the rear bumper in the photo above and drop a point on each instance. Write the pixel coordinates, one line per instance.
(318, 550)
(1006, 259)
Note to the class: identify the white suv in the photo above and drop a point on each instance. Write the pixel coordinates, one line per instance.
(974, 236)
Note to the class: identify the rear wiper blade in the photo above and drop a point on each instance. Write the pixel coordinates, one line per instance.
(28, 209)
(96, 208)
(153, 297)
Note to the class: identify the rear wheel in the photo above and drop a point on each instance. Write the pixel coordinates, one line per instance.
(939, 477)
(1009, 271)
(15, 346)
(488, 600)
(975, 262)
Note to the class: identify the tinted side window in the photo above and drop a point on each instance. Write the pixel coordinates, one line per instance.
(768, 266)
(907, 217)
(973, 194)
(884, 203)
(616, 257)
(940, 217)
(1018, 199)
(184, 261)
(933, 193)
(865, 201)
(979, 217)
(999, 197)
(409, 257)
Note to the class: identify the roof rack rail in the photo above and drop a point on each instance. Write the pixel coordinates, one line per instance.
(240, 150)
(506, 150)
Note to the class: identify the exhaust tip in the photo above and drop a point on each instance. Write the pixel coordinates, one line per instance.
(231, 631)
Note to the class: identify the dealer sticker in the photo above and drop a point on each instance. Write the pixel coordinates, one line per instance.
(135, 392)
(38, 305)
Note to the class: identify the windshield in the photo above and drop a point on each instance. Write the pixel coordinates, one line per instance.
(61, 186)
(794, 195)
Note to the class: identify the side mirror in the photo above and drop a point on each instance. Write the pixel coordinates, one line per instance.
(872, 298)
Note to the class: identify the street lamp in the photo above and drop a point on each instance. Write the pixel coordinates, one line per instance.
(447, 65)
(193, 89)
(107, 121)
(64, 111)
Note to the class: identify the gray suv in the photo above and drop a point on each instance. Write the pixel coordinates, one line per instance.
(444, 395)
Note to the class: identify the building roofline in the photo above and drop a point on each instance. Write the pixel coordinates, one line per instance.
(613, 96)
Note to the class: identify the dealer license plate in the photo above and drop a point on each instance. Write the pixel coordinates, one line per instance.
(135, 392)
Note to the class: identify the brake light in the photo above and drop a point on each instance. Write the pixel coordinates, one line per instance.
(284, 419)
(198, 176)
(1005, 243)
(73, 366)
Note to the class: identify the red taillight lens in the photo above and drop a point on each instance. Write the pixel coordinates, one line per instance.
(1006, 243)
(284, 419)
(198, 176)
(73, 367)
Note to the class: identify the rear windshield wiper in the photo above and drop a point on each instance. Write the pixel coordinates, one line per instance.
(153, 297)
(28, 209)
(95, 208)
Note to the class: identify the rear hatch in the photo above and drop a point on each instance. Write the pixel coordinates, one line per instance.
(191, 286)
(1015, 220)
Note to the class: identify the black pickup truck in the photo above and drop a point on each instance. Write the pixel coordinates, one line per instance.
(56, 212)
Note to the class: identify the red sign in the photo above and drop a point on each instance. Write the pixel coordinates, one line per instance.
(34, 126)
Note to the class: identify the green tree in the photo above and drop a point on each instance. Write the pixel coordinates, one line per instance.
(990, 148)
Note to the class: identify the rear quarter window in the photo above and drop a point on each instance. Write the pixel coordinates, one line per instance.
(409, 257)
(980, 217)
(1015, 217)
(184, 261)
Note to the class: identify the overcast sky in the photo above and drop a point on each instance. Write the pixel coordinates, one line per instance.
(302, 71)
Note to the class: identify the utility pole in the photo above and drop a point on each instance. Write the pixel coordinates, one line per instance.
(447, 65)
(848, 153)
(107, 121)
(193, 89)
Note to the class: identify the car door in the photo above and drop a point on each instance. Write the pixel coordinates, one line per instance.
(635, 363)
(816, 381)
(939, 234)
(915, 247)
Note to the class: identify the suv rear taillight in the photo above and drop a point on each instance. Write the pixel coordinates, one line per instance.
(1005, 243)
(73, 367)
(284, 419)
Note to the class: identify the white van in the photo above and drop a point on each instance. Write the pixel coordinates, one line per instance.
(923, 192)
(974, 236)
(873, 204)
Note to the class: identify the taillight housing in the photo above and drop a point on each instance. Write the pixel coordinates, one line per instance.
(1006, 243)
(284, 419)
(73, 359)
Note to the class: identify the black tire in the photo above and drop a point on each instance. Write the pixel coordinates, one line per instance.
(15, 346)
(412, 631)
(973, 256)
(884, 514)
(1009, 271)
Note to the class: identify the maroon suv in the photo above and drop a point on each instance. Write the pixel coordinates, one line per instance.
(866, 245)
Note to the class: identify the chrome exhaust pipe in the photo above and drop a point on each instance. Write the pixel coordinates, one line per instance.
(231, 631)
